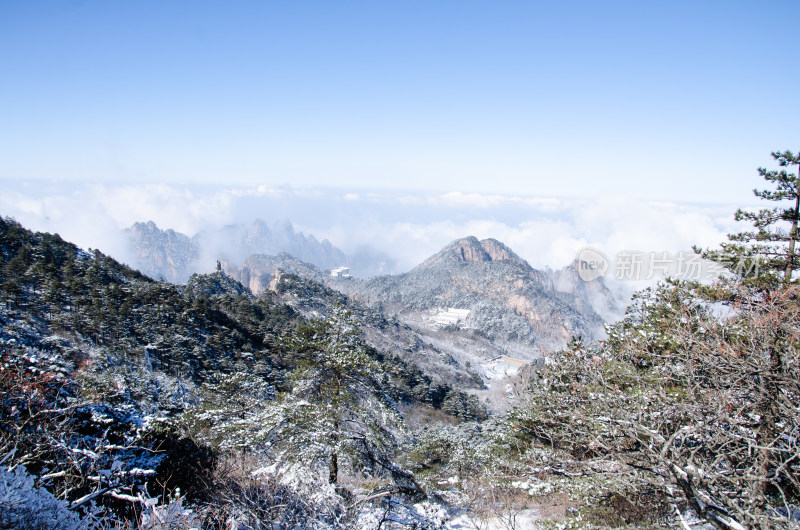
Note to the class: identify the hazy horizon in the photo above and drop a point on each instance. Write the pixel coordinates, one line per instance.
(407, 226)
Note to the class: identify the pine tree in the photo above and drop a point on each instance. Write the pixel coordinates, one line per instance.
(337, 411)
(235, 413)
(691, 402)
(767, 256)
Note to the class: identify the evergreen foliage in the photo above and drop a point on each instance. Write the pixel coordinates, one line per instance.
(700, 406)
(339, 410)
(235, 412)
(767, 254)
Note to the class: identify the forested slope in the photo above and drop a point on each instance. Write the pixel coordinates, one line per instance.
(108, 378)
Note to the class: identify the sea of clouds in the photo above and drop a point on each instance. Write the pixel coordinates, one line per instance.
(409, 226)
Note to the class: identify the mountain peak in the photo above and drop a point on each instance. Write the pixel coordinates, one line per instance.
(498, 251)
(471, 250)
(467, 250)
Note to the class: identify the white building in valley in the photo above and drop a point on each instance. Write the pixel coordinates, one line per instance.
(451, 317)
(341, 272)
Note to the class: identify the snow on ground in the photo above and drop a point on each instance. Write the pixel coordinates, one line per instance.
(522, 520)
(502, 367)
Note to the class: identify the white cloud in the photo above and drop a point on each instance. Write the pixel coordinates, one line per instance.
(474, 200)
(409, 227)
(259, 191)
(181, 209)
(87, 224)
(553, 238)
(610, 224)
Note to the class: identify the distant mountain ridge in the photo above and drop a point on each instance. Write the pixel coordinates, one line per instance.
(174, 256)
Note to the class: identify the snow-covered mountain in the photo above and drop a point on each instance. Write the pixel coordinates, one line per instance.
(507, 300)
(506, 305)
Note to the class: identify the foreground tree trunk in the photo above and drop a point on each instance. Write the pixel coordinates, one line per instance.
(333, 467)
(333, 471)
(793, 237)
(766, 430)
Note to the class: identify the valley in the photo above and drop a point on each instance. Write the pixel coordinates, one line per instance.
(472, 391)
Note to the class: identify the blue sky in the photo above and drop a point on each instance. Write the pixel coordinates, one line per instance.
(673, 101)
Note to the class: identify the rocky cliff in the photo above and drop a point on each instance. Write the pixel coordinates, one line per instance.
(257, 271)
